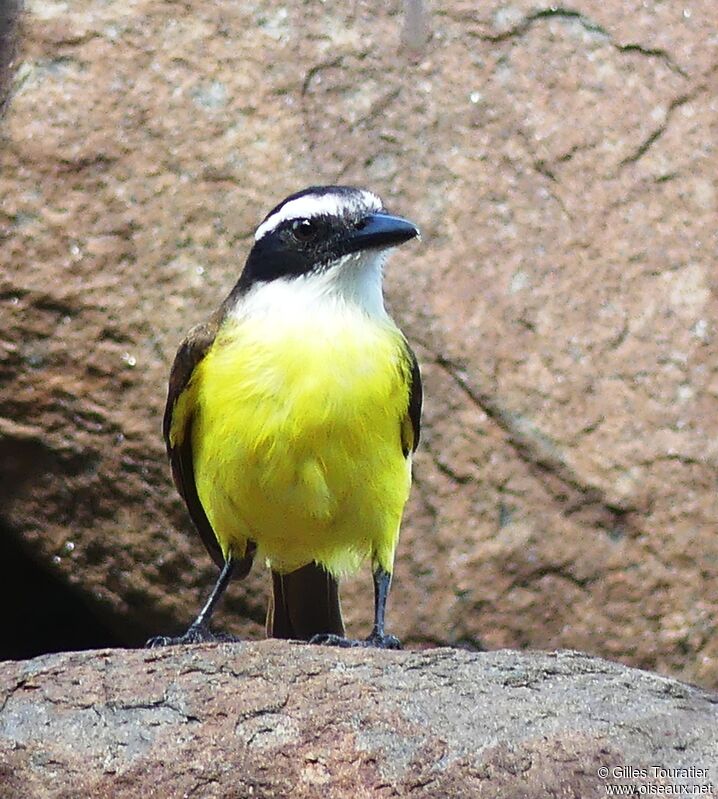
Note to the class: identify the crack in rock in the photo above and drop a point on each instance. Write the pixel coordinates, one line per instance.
(554, 12)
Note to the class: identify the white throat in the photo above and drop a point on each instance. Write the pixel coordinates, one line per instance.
(354, 283)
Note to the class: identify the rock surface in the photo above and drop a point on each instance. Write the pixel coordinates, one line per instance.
(561, 164)
(9, 14)
(278, 719)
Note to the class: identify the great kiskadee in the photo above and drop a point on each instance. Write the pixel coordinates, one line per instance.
(293, 413)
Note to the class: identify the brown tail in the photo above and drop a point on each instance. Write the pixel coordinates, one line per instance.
(305, 602)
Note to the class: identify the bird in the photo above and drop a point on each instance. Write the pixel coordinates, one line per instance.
(293, 414)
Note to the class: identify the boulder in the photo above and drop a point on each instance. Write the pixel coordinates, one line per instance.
(279, 719)
(562, 302)
(9, 16)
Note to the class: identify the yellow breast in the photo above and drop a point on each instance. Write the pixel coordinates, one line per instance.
(297, 437)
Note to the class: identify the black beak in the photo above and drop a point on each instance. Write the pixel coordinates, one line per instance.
(379, 232)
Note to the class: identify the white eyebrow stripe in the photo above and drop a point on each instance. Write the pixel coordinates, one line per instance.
(316, 205)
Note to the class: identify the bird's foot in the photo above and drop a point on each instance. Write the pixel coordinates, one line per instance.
(196, 634)
(383, 641)
(374, 641)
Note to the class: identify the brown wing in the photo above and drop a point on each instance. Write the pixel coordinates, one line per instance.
(411, 428)
(178, 431)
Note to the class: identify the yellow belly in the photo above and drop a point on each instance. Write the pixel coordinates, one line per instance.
(297, 439)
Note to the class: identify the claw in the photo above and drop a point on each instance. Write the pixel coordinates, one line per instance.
(374, 641)
(383, 641)
(196, 634)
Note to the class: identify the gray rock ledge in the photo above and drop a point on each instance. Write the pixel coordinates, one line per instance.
(278, 719)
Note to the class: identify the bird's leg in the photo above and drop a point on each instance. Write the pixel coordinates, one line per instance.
(199, 632)
(378, 638)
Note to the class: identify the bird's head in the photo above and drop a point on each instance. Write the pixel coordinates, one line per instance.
(329, 237)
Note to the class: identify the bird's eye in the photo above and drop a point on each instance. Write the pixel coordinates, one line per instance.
(305, 229)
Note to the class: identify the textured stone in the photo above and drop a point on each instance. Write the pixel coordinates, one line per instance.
(276, 719)
(9, 14)
(562, 167)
